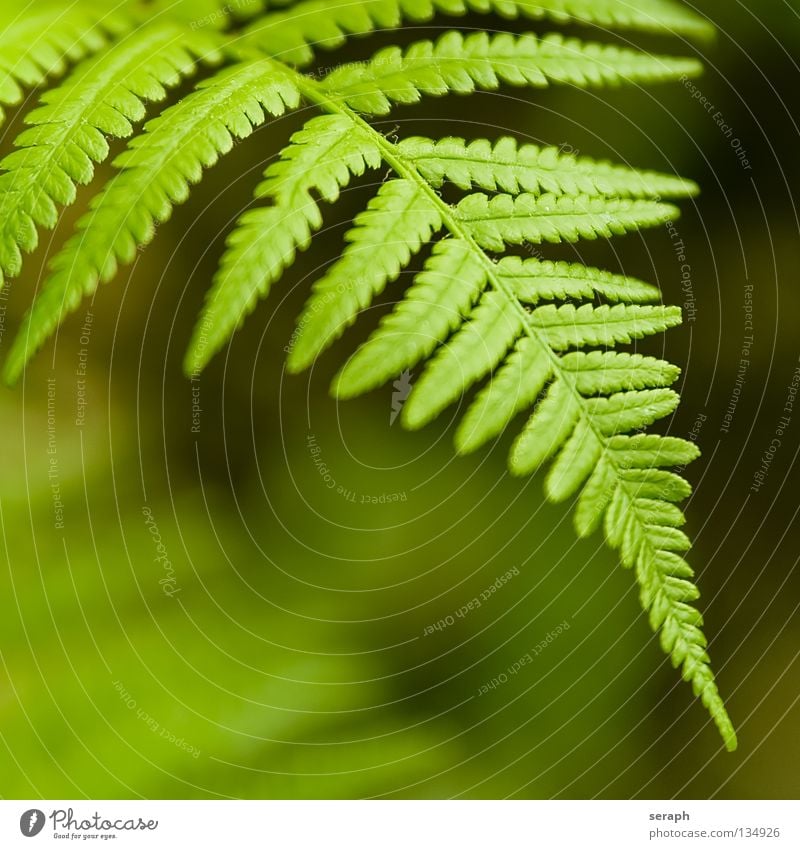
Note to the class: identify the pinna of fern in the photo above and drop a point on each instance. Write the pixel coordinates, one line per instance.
(542, 337)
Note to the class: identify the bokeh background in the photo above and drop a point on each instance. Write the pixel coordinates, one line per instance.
(282, 645)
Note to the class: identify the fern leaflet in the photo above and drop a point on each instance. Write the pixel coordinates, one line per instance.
(156, 173)
(293, 35)
(511, 168)
(100, 99)
(321, 157)
(462, 64)
(38, 45)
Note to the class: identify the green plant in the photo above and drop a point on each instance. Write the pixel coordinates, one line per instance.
(471, 312)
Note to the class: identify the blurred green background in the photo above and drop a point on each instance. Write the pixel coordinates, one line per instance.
(282, 645)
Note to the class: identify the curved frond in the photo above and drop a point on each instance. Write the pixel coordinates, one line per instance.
(587, 405)
(102, 97)
(460, 64)
(532, 337)
(590, 402)
(156, 172)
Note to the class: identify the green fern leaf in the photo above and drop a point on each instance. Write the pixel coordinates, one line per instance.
(515, 387)
(535, 280)
(505, 220)
(156, 173)
(607, 372)
(101, 98)
(471, 354)
(440, 298)
(295, 34)
(397, 223)
(544, 335)
(41, 43)
(570, 326)
(627, 411)
(321, 157)
(462, 64)
(548, 429)
(511, 168)
(648, 452)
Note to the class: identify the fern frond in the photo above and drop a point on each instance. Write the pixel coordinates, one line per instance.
(156, 172)
(543, 335)
(586, 407)
(321, 157)
(294, 35)
(462, 64)
(102, 97)
(582, 423)
(398, 221)
(508, 167)
(40, 42)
